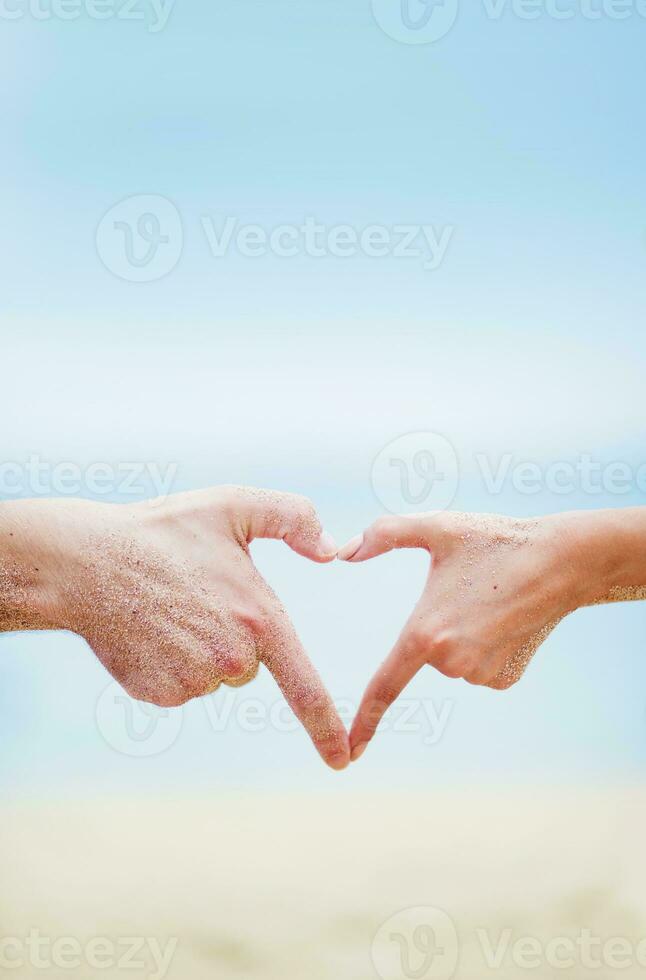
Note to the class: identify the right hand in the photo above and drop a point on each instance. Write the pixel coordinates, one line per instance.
(496, 588)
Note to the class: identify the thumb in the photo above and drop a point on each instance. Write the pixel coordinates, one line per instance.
(287, 517)
(388, 533)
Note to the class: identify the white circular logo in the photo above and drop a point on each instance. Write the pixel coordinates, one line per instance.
(136, 728)
(416, 472)
(415, 21)
(416, 944)
(141, 239)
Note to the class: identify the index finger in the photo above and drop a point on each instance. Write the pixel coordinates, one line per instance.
(395, 673)
(298, 679)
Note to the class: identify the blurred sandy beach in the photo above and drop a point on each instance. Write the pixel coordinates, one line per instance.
(286, 887)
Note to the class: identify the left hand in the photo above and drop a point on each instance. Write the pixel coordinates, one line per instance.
(168, 596)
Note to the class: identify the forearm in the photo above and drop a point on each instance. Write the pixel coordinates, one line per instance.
(608, 554)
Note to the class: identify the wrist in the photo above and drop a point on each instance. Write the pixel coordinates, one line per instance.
(33, 565)
(605, 552)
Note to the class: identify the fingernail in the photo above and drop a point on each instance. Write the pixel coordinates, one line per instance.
(350, 549)
(358, 751)
(327, 544)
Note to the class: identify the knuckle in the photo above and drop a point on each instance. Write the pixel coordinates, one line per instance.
(301, 505)
(442, 642)
(245, 676)
(237, 663)
(311, 702)
(256, 619)
(437, 645)
(305, 503)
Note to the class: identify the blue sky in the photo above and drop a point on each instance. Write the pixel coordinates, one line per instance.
(525, 136)
(523, 139)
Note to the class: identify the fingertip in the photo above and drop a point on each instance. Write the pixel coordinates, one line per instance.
(358, 751)
(334, 746)
(334, 750)
(322, 550)
(359, 736)
(350, 550)
(339, 762)
(327, 547)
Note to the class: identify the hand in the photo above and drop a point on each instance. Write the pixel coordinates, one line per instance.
(496, 588)
(168, 596)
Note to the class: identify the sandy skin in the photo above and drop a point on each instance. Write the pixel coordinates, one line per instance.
(497, 587)
(168, 596)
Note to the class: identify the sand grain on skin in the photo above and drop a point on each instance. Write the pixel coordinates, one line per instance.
(305, 523)
(154, 622)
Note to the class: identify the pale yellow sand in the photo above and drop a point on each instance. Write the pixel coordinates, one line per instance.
(280, 888)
